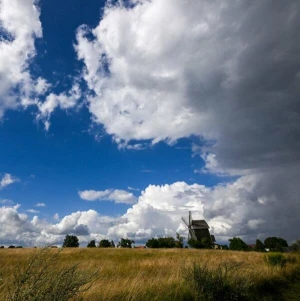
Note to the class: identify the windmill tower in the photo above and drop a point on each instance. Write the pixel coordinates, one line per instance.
(198, 229)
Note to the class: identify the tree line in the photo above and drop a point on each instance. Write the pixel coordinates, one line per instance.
(72, 241)
(275, 244)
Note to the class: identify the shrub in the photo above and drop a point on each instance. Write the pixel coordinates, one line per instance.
(43, 278)
(275, 259)
(220, 283)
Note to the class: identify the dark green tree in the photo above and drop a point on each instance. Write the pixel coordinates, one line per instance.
(296, 245)
(152, 243)
(238, 244)
(273, 243)
(207, 244)
(71, 241)
(195, 243)
(166, 242)
(91, 244)
(125, 243)
(259, 246)
(179, 241)
(105, 243)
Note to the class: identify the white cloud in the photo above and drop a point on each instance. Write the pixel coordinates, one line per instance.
(231, 209)
(133, 189)
(163, 70)
(18, 228)
(114, 195)
(7, 180)
(40, 205)
(6, 202)
(33, 211)
(19, 26)
(56, 216)
(64, 101)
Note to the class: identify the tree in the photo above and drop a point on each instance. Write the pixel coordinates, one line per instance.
(274, 243)
(259, 246)
(152, 243)
(238, 244)
(224, 247)
(166, 242)
(195, 243)
(91, 244)
(162, 242)
(296, 245)
(71, 241)
(207, 244)
(105, 243)
(125, 243)
(179, 241)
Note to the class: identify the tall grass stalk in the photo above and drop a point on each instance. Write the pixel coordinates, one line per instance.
(42, 277)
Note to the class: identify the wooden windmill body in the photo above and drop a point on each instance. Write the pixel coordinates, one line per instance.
(198, 229)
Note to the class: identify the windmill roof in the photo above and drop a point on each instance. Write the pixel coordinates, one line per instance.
(200, 223)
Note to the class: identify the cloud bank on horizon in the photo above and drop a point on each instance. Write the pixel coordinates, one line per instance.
(163, 70)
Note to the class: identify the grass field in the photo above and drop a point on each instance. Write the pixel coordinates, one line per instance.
(149, 274)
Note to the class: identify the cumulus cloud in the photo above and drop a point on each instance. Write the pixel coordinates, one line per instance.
(114, 195)
(163, 70)
(7, 180)
(232, 209)
(40, 205)
(18, 228)
(244, 208)
(19, 27)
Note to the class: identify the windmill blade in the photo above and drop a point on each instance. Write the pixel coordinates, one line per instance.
(193, 234)
(190, 218)
(183, 219)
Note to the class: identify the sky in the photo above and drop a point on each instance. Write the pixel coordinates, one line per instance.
(118, 117)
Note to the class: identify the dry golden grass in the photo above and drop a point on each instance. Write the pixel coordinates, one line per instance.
(145, 274)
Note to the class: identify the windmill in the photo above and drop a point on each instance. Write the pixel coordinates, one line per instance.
(198, 229)
(191, 234)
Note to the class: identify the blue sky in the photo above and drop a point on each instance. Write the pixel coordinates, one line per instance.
(119, 117)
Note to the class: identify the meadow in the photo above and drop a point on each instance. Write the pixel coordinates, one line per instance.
(158, 274)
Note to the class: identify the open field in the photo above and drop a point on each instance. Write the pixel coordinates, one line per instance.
(149, 274)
